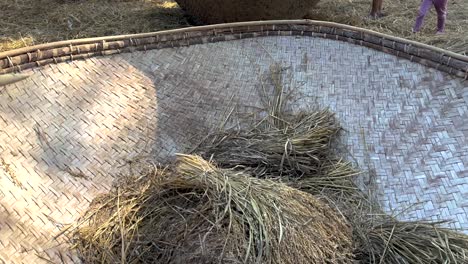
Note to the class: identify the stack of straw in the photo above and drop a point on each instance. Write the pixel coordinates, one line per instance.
(279, 193)
(195, 212)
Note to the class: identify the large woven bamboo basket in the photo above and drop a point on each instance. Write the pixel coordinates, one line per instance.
(224, 11)
(73, 113)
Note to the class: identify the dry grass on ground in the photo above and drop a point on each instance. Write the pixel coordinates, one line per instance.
(28, 22)
(399, 20)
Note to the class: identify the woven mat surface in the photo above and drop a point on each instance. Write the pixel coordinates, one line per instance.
(67, 132)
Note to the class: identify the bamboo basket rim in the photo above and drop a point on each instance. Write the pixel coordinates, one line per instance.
(63, 43)
(68, 50)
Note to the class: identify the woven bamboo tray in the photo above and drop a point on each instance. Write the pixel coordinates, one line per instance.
(91, 105)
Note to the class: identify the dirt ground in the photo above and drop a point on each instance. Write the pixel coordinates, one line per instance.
(29, 22)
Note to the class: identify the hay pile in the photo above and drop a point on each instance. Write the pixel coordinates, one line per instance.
(275, 191)
(295, 148)
(298, 151)
(296, 204)
(292, 148)
(224, 11)
(195, 212)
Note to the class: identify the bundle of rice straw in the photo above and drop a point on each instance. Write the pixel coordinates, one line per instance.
(194, 212)
(299, 146)
(272, 199)
(311, 166)
(389, 241)
(298, 151)
(294, 149)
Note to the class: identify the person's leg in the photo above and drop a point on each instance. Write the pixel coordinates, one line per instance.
(376, 11)
(441, 8)
(380, 6)
(425, 6)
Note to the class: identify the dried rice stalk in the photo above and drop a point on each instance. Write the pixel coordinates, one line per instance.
(300, 148)
(411, 242)
(196, 213)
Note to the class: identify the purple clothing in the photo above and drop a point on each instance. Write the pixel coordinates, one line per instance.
(441, 9)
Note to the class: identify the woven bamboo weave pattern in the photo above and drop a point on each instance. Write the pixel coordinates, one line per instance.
(68, 130)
